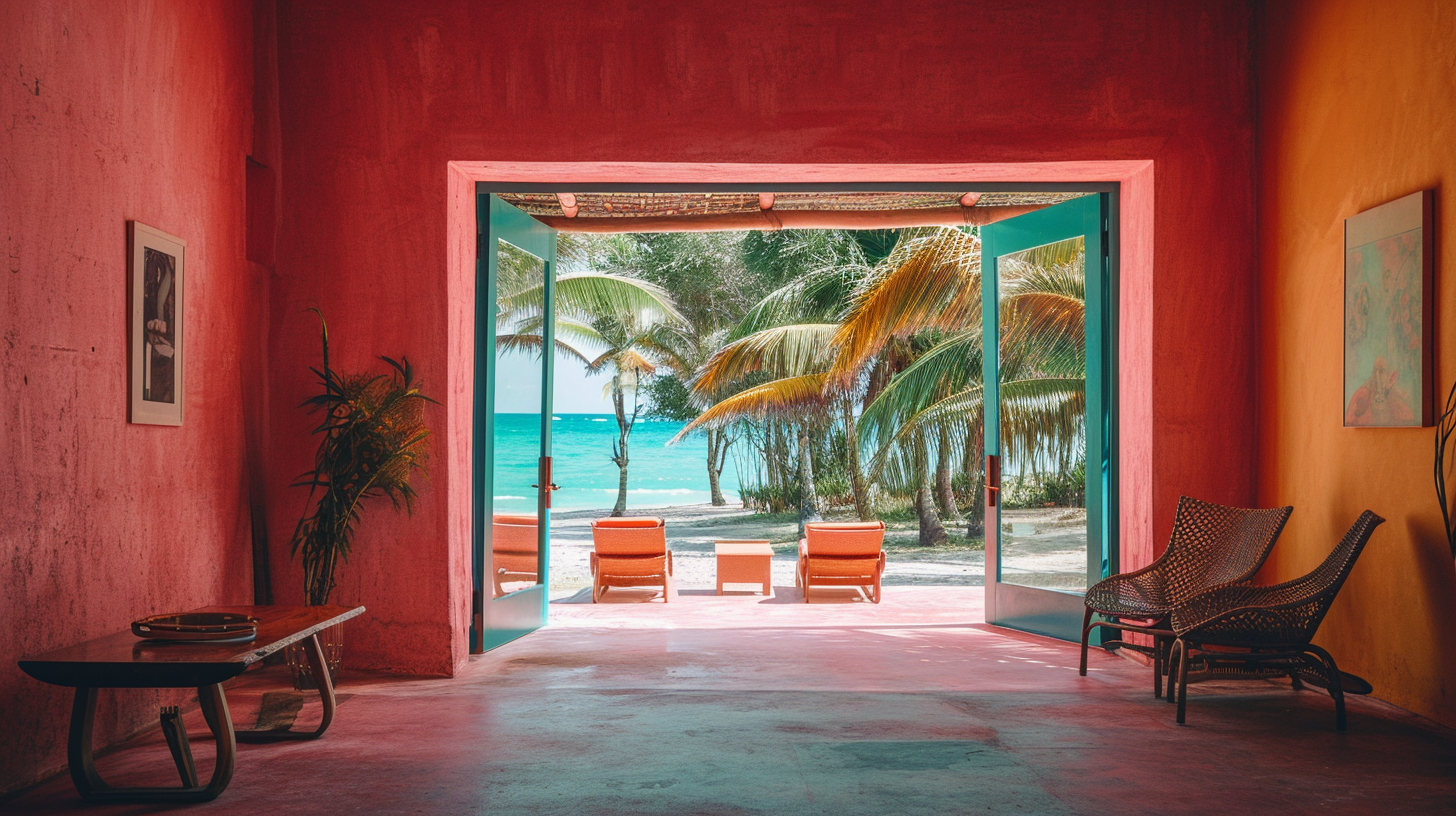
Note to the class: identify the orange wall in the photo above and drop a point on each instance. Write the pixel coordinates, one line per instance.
(1357, 107)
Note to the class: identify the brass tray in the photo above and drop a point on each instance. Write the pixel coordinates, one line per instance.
(197, 627)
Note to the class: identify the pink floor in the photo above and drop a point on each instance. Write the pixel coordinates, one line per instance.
(744, 705)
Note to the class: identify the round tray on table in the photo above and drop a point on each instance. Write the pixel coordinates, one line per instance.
(197, 627)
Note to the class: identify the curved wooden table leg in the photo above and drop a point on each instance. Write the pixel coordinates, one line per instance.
(318, 666)
(93, 789)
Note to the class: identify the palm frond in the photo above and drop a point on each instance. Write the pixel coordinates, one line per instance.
(819, 296)
(783, 351)
(954, 414)
(932, 280)
(531, 343)
(593, 294)
(948, 367)
(776, 398)
(632, 360)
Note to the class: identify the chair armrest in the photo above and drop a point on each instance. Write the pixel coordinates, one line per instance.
(803, 547)
(669, 562)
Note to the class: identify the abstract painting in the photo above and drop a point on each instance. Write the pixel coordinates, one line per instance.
(157, 264)
(1389, 365)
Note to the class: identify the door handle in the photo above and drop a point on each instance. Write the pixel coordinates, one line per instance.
(993, 479)
(545, 469)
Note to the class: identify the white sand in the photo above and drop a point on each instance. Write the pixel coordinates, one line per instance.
(1044, 547)
(692, 529)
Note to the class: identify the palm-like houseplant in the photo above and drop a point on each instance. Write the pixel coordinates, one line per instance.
(371, 441)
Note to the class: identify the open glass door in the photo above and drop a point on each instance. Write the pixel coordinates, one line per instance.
(515, 272)
(1050, 478)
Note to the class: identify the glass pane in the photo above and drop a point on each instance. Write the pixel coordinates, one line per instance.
(1043, 540)
(515, 468)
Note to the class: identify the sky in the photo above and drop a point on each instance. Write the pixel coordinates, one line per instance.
(518, 386)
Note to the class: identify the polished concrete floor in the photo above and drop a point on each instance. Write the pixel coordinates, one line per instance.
(746, 705)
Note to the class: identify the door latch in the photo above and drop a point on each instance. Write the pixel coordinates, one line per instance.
(993, 479)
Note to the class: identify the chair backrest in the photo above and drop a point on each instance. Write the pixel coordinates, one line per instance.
(514, 533)
(629, 535)
(1213, 544)
(1319, 588)
(844, 539)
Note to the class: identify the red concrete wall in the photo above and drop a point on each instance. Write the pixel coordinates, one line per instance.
(115, 111)
(377, 97)
(1357, 106)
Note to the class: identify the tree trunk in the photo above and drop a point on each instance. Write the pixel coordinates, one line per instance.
(857, 485)
(932, 532)
(619, 450)
(715, 465)
(945, 499)
(808, 499)
(771, 454)
(976, 454)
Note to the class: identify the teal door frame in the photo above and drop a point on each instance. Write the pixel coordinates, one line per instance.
(1051, 612)
(495, 621)
(1008, 607)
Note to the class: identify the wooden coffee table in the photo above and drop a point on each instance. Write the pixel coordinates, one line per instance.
(123, 660)
(745, 562)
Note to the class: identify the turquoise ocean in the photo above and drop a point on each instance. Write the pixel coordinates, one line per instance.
(658, 475)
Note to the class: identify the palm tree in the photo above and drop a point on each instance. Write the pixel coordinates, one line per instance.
(931, 293)
(625, 356)
(682, 350)
(712, 287)
(788, 338)
(794, 357)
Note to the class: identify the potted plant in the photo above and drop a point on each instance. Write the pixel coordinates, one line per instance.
(371, 441)
(1445, 430)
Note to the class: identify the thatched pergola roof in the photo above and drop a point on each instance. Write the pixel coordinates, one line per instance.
(676, 212)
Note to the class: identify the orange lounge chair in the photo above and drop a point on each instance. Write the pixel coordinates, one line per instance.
(630, 552)
(514, 544)
(842, 554)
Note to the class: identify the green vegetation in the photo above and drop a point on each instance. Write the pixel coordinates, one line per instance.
(841, 370)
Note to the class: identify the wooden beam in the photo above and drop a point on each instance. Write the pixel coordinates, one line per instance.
(770, 220)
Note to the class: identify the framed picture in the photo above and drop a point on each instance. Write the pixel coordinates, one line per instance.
(1389, 316)
(157, 264)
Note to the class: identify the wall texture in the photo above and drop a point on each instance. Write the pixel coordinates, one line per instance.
(377, 97)
(115, 111)
(1357, 106)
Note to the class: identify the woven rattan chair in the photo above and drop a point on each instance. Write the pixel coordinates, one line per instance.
(1212, 545)
(848, 553)
(514, 550)
(1271, 626)
(631, 552)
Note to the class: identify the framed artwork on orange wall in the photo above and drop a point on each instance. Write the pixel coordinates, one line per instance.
(1389, 332)
(157, 263)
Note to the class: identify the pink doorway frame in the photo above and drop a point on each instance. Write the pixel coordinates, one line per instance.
(1135, 301)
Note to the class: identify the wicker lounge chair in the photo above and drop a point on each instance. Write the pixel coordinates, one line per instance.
(1212, 545)
(1271, 626)
(630, 552)
(514, 545)
(842, 554)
